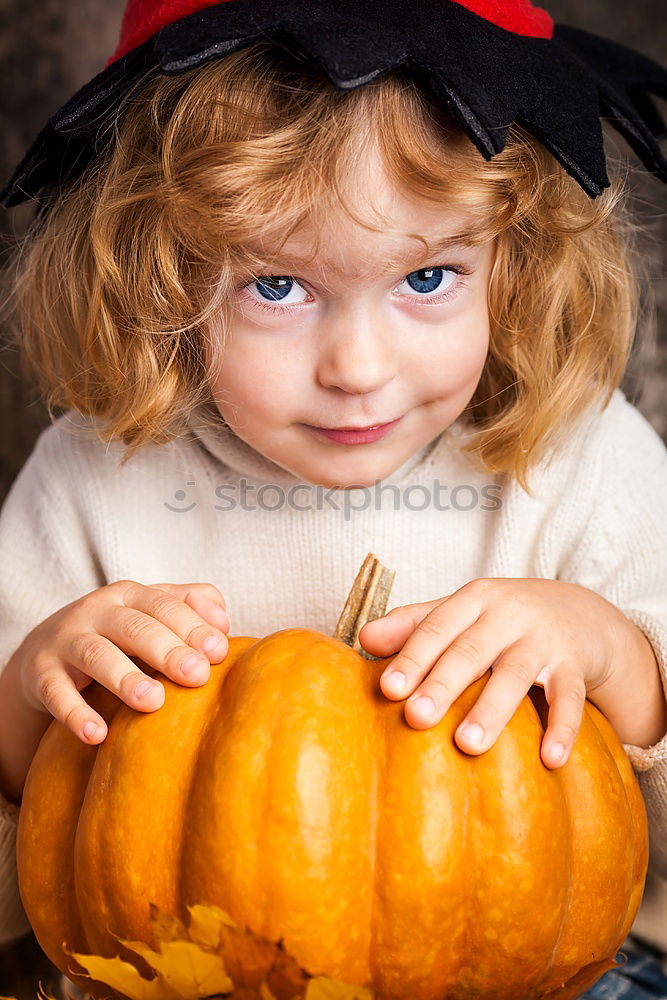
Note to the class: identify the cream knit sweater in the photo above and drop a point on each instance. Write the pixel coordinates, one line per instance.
(207, 507)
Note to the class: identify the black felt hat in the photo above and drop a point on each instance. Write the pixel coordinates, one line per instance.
(490, 62)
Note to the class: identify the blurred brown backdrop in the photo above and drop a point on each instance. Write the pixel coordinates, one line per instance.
(51, 47)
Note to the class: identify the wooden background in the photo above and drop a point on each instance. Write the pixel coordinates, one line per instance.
(49, 48)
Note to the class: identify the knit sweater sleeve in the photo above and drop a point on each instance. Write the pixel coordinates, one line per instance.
(622, 555)
(46, 561)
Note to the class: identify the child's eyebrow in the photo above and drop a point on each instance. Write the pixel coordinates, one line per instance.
(415, 254)
(445, 244)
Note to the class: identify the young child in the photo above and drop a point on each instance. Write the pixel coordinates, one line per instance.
(294, 314)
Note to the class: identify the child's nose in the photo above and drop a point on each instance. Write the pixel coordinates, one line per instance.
(357, 355)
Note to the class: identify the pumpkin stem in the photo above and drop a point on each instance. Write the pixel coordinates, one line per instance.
(366, 601)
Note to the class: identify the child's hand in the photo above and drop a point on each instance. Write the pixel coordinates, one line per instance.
(562, 636)
(174, 628)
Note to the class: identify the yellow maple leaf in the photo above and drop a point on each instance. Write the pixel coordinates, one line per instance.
(186, 965)
(202, 959)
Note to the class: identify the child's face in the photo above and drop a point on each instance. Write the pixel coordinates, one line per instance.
(345, 342)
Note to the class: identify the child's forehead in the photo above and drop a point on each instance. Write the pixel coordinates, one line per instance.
(369, 256)
(371, 222)
(380, 224)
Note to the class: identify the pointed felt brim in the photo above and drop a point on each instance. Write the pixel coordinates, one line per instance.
(487, 77)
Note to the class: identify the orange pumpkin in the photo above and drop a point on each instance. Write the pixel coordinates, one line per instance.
(292, 794)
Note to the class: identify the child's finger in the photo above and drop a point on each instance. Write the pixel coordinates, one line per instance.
(383, 636)
(511, 680)
(430, 641)
(565, 691)
(98, 657)
(164, 633)
(422, 631)
(462, 663)
(59, 695)
(204, 598)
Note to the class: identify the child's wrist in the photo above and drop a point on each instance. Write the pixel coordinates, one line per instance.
(633, 698)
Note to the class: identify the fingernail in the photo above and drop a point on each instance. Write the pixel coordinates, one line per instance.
(471, 733)
(144, 688)
(90, 730)
(424, 706)
(213, 645)
(557, 751)
(395, 681)
(192, 663)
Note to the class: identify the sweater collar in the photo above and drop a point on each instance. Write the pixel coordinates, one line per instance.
(216, 437)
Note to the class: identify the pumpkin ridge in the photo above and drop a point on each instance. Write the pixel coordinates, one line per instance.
(567, 840)
(76, 874)
(209, 724)
(84, 777)
(579, 786)
(378, 794)
(539, 710)
(38, 890)
(569, 874)
(473, 798)
(628, 811)
(287, 661)
(264, 855)
(472, 802)
(504, 826)
(594, 714)
(363, 680)
(631, 791)
(262, 885)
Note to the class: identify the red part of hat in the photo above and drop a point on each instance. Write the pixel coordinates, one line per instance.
(520, 17)
(143, 18)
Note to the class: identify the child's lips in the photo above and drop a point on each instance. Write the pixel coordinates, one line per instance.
(342, 435)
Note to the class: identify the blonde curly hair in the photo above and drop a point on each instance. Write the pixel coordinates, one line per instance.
(112, 290)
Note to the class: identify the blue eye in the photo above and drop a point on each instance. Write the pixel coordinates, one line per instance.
(276, 287)
(430, 279)
(270, 291)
